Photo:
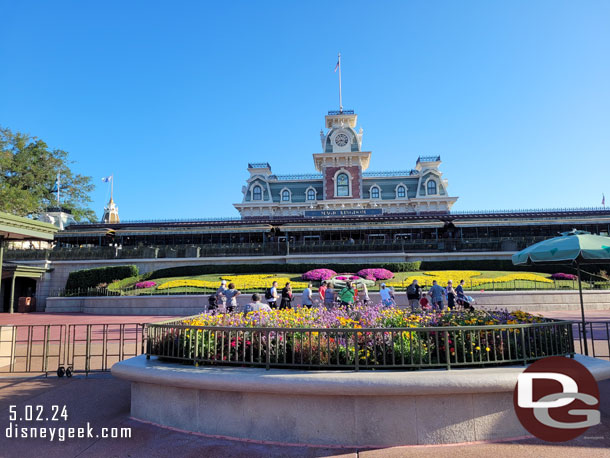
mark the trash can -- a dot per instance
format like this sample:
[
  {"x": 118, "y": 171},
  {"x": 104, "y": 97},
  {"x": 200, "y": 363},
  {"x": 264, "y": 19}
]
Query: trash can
[{"x": 25, "y": 304}]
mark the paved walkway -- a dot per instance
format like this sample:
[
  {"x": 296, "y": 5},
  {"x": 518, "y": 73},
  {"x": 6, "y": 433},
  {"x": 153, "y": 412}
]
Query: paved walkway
[
  {"x": 103, "y": 401},
  {"x": 75, "y": 318}
]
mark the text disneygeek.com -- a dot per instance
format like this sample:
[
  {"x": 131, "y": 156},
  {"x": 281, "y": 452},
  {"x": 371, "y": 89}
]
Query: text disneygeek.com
[{"x": 26, "y": 423}]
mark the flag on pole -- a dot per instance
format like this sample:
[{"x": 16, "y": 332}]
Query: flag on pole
[
  {"x": 107, "y": 179},
  {"x": 603, "y": 200},
  {"x": 56, "y": 185},
  {"x": 337, "y": 66}
]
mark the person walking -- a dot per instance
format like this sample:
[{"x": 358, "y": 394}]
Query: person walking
[
  {"x": 322, "y": 291},
  {"x": 365, "y": 294},
  {"x": 461, "y": 298},
  {"x": 450, "y": 295},
  {"x": 346, "y": 295},
  {"x": 436, "y": 295},
  {"x": 231, "y": 295},
  {"x": 286, "y": 297},
  {"x": 272, "y": 296},
  {"x": 256, "y": 305},
  {"x": 414, "y": 294},
  {"x": 221, "y": 299},
  {"x": 306, "y": 297},
  {"x": 387, "y": 298},
  {"x": 459, "y": 290},
  {"x": 329, "y": 296}
]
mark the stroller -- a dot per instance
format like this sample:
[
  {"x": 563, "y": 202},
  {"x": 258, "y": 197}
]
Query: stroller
[
  {"x": 212, "y": 302},
  {"x": 465, "y": 302}
]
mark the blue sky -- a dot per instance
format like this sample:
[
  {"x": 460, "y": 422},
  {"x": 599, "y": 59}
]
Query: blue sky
[{"x": 175, "y": 98}]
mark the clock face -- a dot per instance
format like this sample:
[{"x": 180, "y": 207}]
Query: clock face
[{"x": 341, "y": 140}]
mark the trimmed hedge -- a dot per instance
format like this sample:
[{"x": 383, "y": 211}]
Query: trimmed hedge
[
  {"x": 502, "y": 264},
  {"x": 89, "y": 278},
  {"x": 188, "y": 271}
]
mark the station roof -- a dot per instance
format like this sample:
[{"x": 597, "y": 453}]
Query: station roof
[{"x": 17, "y": 228}]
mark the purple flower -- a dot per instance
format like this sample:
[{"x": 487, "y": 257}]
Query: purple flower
[
  {"x": 145, "y": 284},
  {"x": 562, "y": 276},
  {"x": 319, "y": 274},
  {"x": 376, "y": 274}
]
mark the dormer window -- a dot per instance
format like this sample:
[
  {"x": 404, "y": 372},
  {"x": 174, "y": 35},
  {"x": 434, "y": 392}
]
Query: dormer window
[
  {"x": 401, "y": 192},
  {"x": 375, "y": 192},
  {"x": 257, "y": 193},
  {"x": 342, "y": 185},
  {"x": 285, "y": 195},
  {"x": 431, "y": 188},
  {"x": 311, "y": 194}
]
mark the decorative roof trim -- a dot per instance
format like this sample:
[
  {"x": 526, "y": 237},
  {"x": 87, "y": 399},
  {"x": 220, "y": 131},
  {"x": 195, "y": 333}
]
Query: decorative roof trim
[{"x": 390, "y": 173}]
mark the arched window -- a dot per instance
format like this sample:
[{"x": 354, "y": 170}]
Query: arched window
[
  {"x": 374, "y": 192},
  {"x": 311, "y": 194},
  {"x": 285, "y": 195},
  {"x": 401, "y": 192},
  {"x": 257, "y": 193},
  {"x": 431, "y": 187},
  {"x": 342, "y": 185}
]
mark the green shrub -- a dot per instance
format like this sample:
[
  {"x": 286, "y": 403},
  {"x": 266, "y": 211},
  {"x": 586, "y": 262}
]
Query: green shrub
[
  {"x": 89, "y": 278},
  {"x": 189, "y": 271},
  {"x": 124, "y": 283}
]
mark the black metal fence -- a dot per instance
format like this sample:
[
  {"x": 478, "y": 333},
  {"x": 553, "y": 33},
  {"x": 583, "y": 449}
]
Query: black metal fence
[
  {"x": 65, "y": 349},
  {"x": 68, "y": 348},
  {"x": 598, "y": 338},
  {"x": 361, "y": 348}
]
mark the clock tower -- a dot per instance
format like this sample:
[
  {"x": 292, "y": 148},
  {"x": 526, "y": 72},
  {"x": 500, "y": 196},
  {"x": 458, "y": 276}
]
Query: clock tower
[{"x": 342, "y": 160}]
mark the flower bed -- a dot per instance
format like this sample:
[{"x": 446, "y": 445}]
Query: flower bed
[
  {"x": 562, "y": 276},
  {"x": 318, "y": 274},
  {"x": 242, "y": 282},
  {"x": 469, "y": 276},
  {"x": 376, "y": 274},
  {"x": 365, "y": 337},
  {"x": 145, "y": 284},
  {"x": 340, "y": 281}
]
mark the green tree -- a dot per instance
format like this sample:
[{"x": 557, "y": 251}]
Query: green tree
[{"x": 28, "y": 172}]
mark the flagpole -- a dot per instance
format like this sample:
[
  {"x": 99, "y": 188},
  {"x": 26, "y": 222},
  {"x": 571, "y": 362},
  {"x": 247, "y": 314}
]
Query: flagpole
[
  {"x": 111, "y": 185},
  {"x": 340, "y": 99},
  {"x": 58, "y": 178}
]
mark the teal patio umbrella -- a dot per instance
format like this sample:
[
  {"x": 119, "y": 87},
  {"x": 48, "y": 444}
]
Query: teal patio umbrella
[{"x": 574, "y": 248}]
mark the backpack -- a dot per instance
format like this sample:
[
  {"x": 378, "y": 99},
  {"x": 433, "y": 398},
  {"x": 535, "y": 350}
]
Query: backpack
[
  {"x": 268, "y": 294},
  {"x": 411, "y": 290}
]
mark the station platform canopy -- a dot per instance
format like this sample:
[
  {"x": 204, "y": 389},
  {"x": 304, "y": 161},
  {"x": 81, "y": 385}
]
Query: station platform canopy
[{"x": 17, "y": 228}]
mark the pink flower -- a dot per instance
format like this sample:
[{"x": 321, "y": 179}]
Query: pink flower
[
  {"x": 145, "y": 284},
  {"x": 319, "y": 274},
  {"x": 376, "y": 274}
]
